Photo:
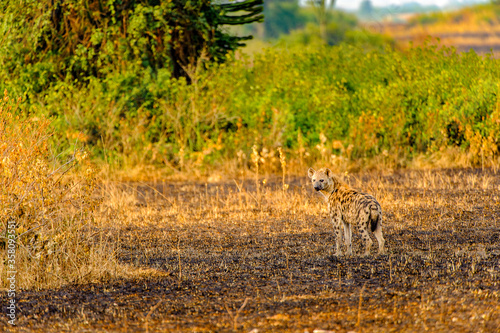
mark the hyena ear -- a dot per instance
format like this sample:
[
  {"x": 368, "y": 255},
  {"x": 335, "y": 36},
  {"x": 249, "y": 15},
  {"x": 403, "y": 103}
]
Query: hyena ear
[
  {"x": 311, "y": 172},
  {"x": 328, "y": 172}
]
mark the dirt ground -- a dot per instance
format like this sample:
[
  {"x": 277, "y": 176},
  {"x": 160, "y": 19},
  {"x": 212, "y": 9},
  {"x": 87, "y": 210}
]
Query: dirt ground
[{"x": 230, "y": 256}]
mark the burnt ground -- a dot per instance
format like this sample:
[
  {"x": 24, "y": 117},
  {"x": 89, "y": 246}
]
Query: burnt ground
[{"x": 221, "y": 260}]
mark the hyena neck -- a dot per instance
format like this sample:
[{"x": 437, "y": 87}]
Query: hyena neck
[
  {"x": 332, "y": 188},
  {"x": 329, "y": 194},
  {"x": 326, "y": 193}
]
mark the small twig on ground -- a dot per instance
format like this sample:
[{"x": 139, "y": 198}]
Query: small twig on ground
[
  {"x": 358, "y": 324},
  {"x": 234, "y": 317},
  {"x": 149, "y": 314}
]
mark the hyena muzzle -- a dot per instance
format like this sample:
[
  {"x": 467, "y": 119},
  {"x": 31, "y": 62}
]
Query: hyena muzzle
[{"x": 349, "y": 208}]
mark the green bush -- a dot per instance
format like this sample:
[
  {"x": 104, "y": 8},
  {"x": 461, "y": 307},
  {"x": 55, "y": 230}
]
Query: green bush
[
  {"x": 347, "y": 100},
  {"x": 47, "y": 42}
]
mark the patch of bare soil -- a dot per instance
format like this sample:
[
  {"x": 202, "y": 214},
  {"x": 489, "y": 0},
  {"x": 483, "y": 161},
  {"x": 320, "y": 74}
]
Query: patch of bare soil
[{"x": 229, "y": 256}]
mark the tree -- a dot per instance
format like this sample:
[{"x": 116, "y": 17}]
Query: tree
[
  {"x": 282, "y": 16},
  {"x": 322, "y": 7},
  {"x": 366, "y": 9},
  {"x": 50, "y": 40}
]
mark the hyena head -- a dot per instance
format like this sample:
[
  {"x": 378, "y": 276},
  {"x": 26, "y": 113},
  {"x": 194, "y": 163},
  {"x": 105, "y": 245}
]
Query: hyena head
[{"x": 322, "y": 180}]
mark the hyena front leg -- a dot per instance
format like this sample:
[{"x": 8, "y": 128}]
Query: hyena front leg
[{"x": 347, "y": 237}]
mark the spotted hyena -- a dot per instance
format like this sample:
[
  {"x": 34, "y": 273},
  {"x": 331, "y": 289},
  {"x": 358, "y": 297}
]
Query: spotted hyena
[{"x": 348, "y": 207}]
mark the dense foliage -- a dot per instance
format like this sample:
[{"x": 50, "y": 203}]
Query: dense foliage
[
  {"x": 46, "y": 42},
  {"x": 367, "y": 103}
]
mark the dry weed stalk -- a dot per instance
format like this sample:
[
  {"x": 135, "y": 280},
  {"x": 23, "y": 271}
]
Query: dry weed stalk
[
  {"x": 256, "y": 160},
  {"x": 281, "y": 295},
  {"x": 179, "y": 281},
  {"x": 283, "y": 168}
]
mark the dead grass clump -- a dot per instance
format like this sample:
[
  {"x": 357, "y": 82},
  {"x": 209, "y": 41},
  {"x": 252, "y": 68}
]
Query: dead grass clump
[{"x": 46, "y": 209}]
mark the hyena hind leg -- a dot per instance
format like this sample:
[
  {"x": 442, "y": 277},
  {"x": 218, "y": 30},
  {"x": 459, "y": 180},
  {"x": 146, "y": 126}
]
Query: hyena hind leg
[
  {"x": 363, "y": 230},
  {"x": 376, "y": 228},
  {"x": 363, "y": 225},
  {"x": 368, "y": 241},
  {"x": 380, "y": 237}
]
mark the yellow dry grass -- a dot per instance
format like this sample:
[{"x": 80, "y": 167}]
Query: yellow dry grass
[{"x": 474, "y": 27}]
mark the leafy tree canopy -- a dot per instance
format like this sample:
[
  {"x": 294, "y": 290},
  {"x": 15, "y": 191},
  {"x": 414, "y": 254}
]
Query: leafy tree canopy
[{"x": 44, "y": 41}]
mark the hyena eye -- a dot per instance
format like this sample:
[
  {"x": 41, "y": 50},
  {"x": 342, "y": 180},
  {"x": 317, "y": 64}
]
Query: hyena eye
[{"x": 321, "y": 180}]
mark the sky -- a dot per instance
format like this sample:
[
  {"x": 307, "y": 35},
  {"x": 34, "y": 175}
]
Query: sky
[{"x": 354, "y": 4}]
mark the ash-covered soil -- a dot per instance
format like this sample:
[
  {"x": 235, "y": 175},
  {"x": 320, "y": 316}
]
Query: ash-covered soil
[{"x": 220, "y": 260}]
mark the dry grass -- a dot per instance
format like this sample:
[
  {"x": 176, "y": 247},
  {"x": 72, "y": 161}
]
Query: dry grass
[
  {"x": 475, "y": 28},
  {"x": 46, "y": 209},
  {"x": 217, "y": 257}
]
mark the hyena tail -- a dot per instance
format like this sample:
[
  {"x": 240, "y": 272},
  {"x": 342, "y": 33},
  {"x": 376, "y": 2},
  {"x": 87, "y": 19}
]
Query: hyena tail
[{"x": 375, "y": 219}]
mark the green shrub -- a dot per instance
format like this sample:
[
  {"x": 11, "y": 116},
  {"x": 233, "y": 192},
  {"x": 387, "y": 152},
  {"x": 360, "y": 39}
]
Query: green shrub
[
  {"x": 364, "y": 101},
  {"x": 49, "y": 42}
]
